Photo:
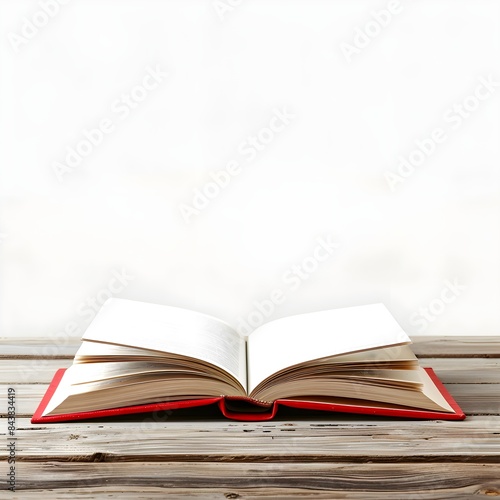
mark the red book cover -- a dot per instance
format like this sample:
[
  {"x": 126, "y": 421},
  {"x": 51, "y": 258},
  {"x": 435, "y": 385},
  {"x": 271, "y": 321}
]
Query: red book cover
[{"x": 227, "y": 409}]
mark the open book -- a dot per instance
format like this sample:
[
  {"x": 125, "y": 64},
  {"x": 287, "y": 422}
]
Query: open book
[{"x": 138, "y": 357}]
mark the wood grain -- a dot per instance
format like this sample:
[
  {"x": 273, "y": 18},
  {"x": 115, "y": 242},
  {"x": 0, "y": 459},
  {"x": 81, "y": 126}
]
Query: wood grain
[
  {"x": 424, "y": 346},
  {"x": 465, "y": 370},
  {"x": 456, "y": 347},
  {"x": 30, "y": 371},
  {"x": 259, "y": 480},
  {"x": 27, "y": 348},
  {"x": 365, "y": 438}
]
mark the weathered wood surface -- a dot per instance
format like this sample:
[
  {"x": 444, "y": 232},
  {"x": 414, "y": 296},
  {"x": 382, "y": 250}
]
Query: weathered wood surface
[
  {"x": 27, "y": 348},
  {"x": 423, "y": 346},
  {"x": 456, "y": 347},
  {"x": 30, "y": 371},
  {"x": 262, "y": 480},
  {"x": 329, "y": 439},
  {"x": 322, "y": 456}
]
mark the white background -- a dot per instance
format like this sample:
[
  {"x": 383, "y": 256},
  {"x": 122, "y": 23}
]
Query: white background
[{"x": 323, "y": 175}]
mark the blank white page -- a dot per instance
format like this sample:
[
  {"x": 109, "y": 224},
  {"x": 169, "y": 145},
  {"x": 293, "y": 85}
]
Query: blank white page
[
  {"x": 170, "y": 329},
  {"x": 305, "y": 337}
]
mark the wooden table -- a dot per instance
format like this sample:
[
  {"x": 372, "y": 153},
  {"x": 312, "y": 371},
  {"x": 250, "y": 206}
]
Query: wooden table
[{"x": 320, "y": 456}]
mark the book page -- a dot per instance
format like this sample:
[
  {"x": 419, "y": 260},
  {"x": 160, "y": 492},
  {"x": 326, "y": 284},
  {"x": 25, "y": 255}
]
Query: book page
[
  {"x": 170, "y": 329},
  {"x": 296, "y": 339}
]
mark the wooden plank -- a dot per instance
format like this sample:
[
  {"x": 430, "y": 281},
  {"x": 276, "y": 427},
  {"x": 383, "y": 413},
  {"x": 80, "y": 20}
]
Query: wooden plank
[
  {"x": 28, "y": 397},
  {"x": 476, "y": 439},
  {"x": 474, "y": 399},
  {"x": 146, "y": 493},
  {"x": 233, "y": 480},
  {"x": 465, "y": 370},
  {"x": 477, "y": 399},
  {"x": 30, "y": 348},
  {"x": 30, "y": 371},
  {"x": 39, "y": 340},
  {"x": 424, "y": 346},
  {"x": 456, "y": 346}
]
